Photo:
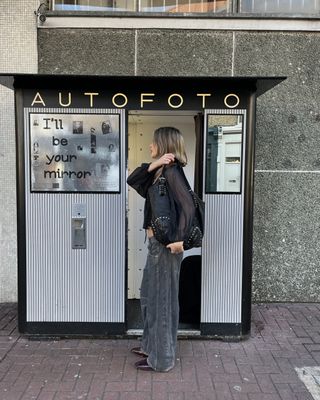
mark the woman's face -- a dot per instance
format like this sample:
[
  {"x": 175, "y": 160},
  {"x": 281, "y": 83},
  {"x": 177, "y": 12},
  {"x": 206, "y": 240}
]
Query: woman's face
[{"x": 153, "y": 150}]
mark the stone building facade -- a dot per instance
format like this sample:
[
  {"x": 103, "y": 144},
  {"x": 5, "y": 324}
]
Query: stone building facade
[{"x": 287, "y": 169}]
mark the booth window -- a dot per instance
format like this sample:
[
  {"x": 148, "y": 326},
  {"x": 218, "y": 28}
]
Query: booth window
[
  {"x": 310, "y": 7},
  {"x": 224, "y": 153}
]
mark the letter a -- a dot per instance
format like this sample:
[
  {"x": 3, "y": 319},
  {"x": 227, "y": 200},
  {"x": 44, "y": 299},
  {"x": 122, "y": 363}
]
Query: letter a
[{"x": 38, "y": 99}]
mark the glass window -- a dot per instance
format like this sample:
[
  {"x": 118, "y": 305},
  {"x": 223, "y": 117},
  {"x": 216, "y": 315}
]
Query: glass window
[
  {"x": 192, "y": 6},
  {"x": 224, "y": 153},
  {"x": 168, "y": 6},
  {"x": 280, "y": 6}
]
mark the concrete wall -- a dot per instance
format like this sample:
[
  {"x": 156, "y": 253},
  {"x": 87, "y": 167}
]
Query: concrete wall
[
  {"x": 18, "y": 53},
  {"x": 287, "y": 208}
]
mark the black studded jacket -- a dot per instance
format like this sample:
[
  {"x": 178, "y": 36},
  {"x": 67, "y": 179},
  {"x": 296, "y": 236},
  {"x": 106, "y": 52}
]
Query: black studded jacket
[{"x": 140, "y": 180}]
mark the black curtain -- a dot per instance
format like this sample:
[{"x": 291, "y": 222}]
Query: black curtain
[{"x": 198, "y": 168}]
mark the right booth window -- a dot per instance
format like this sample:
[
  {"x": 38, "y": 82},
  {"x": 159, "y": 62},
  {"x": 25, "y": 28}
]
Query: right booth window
[{"x": 224, "y": 153}]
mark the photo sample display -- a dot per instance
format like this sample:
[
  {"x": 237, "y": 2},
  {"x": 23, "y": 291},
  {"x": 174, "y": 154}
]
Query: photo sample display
[{"x": 75, "y": 152}]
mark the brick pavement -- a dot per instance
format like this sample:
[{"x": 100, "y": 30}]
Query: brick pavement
[{"x": 283, "y": 336}]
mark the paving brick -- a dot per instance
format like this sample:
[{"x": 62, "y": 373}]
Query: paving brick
[
  {"x": 185, "y": 348},
  {"x": 240, "y": 396},
  {"x": 285, "y": 378},
  {"x": 188, "y": 370},
  {"x": 58, "y": 386},
  {"x": 135, "y": 396},
  {"x": 222, "y": 387},
  {"x": 264, "y": 396},
  {"x": 130, "y": 372},
  {"x": 245, "y": 387},
  {"x": 182, "y": 386},
  {"x": 10, "y": 395},
  {"x": 121, "y": 386},
  {"x": 172, "y": 376},
  {"x": 46, "y": 396},
  {"x": 83, "y": 383},
  {"x": 159, "y": 391},
  {"x": 111, "y": 396},
  {"x": 144, "y": 382},
  {"x": 223, "y": 395},
  {"x": 303, "y": 396},
  {"x": 265, "y": 383},
  {"x": 199, "y": 349},
  {"x": 205, "y": 383},
  {"x": 226, "y": 378},
  {"x": 284, "y": 391},
  {"x": 200, "y": 396},
  {"x": 97, "y": 388},
  {"x": 230, "y": 366},
  {"x": 176, "y": 396}
]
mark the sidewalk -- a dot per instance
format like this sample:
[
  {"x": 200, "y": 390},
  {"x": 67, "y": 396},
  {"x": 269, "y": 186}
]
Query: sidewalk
[{"x": 283, "y": 336}]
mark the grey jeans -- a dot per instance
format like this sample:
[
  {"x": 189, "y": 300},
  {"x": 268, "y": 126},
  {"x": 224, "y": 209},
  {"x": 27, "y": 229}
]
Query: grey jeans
[{"x": 160, "y": 305}]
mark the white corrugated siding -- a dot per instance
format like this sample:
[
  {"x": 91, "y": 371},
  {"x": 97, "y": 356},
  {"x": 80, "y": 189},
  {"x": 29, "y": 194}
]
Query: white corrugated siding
[
  {"x": 75, "y": 285},
  {"x": 222, "y": 249}
]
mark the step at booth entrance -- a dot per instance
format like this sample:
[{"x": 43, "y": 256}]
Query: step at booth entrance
[{"x": 81, "y": 247}]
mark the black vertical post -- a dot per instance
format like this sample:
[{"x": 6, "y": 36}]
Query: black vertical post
[
  {"x": 248, "y": 217},
  {"x": 21, "y": 221}
]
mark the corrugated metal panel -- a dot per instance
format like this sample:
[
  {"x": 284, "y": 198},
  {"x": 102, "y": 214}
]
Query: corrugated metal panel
[
  {"x": 222, "y": 259},
  {"x": 222, "y": 250},
  {"x": 75, "y": 285}
]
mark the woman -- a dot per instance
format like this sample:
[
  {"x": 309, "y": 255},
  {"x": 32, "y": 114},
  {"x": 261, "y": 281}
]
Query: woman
[{"x": 160, "y": 282}]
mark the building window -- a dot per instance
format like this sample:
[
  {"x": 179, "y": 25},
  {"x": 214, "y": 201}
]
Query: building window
[
  {"x": 192, "y": 6},
  {"x": 168, "y": 6},
  {"x": 280, "y": 6}
]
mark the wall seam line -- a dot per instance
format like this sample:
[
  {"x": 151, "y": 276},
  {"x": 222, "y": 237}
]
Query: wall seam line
[
  {"x": 233, "y": 52},
  {"x": 135, "y": 52}
]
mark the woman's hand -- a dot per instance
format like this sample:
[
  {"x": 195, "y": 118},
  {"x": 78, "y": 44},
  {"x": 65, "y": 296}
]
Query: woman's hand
[
  {"x": 176, "y": 247},
  {"x": 163, "y": 160}
]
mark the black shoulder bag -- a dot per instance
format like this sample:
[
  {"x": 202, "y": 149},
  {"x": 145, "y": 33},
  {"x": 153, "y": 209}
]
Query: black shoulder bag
[
  {"x": 164, "y": 218},
  {"x": 196, "y": 232}
]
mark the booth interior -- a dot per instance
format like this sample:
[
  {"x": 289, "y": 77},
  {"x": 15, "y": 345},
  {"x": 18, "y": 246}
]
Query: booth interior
[{"x": 141, "y": 126}]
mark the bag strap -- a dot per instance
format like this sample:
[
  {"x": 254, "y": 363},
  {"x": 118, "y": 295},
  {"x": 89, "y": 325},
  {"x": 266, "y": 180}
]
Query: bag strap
[
  {"x": 158, "y": 174},
  {"x": 193, "y": 194},
  {"x": 185, "y": 179}
]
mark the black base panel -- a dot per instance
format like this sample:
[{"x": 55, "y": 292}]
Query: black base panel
[
  {"x": 224, "y": 331},
  {"x": 134, "y": 320},
  {"x": 74, "y": 328}
]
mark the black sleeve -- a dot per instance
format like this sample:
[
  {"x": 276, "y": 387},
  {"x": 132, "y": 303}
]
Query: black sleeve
[
  {"x": 183, "y": 200},
  {"x": 140, "y": 179}
]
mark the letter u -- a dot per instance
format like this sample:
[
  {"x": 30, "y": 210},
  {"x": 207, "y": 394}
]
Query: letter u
[{"x": 65, "y": 104}]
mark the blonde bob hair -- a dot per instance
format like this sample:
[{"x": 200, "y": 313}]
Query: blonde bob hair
[{"x": 170, "y": 140}]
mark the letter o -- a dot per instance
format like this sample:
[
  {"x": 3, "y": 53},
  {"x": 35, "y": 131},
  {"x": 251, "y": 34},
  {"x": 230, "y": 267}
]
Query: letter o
[
  {"x": 119, "y": 105},
  {"x": 178, "y": 105},
  {"x": 231, "y": 95}
]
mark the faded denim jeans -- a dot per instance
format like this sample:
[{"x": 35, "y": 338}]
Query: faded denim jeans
[{"x": 160, "y": 305}]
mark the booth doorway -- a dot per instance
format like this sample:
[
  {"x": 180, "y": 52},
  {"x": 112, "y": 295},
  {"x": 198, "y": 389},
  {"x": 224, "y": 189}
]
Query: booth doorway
[{"x": 141, "y": 126}]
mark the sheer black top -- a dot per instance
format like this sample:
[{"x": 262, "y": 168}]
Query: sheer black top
[{"x": 140, "y": 179}]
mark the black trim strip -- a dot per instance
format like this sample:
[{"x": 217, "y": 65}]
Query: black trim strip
[
  {"x": 75, "y": 328},
  {"x": 220, "y": 330},
  {"x": 248, "y": 217},
  {"x": 21, "y": 210}
]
